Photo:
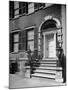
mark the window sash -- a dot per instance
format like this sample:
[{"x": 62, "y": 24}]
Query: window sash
[
  {"x": 15, "y": 42},
  {"x": 23, "y": 8}
]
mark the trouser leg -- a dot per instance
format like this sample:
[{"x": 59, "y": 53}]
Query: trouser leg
[{"x": 64, "y": 75}]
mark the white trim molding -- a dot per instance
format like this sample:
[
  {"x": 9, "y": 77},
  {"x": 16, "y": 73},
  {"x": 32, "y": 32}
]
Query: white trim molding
[
  {"x": 16, "y": 30},
  {"x": 49, "y": 17},
  {"x": 44, "y": 43},
  {"x": 29, "y": 27},
  {"x": 53, "y": 18}
]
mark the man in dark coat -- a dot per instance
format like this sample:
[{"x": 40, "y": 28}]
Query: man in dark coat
[
  {"x": 62, "y": 63},
  {"x": 30, "y": 61}
]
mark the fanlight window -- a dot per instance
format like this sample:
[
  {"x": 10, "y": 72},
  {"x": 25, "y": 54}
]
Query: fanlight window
[{"x": 48, "y": 24}]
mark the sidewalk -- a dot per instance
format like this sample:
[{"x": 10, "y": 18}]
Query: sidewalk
[{"x": 18, "y": 82}]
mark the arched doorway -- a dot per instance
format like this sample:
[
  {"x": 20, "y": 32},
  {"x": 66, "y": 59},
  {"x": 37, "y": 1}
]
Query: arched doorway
[{"x": 49, "y": 30}]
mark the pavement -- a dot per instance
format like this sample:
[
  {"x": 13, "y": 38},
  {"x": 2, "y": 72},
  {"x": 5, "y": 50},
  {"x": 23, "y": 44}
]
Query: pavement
[{"x": 16, "y": 81}]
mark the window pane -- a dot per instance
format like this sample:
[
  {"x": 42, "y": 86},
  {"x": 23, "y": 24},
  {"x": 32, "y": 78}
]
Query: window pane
[
  {"x": 31, "y": 10},
  {"x": 16, "y": 4},
  {"x": 17, "y": 12},
  {"x": 31, "y": 45},
  {"x": 20, "y": 4},
  {"x": 16, "y": 37},
  {"x": 22, "y": 10},
  {"x": 16, "y": 47},
  {"x": 30, "y": 35},
  {"x": 36, "y": 5}
]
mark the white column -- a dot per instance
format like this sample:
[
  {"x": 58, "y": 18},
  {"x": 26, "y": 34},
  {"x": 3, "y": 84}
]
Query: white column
[
  {"x": 44, "y": 46},
  {"x": 55, "y": 43}
]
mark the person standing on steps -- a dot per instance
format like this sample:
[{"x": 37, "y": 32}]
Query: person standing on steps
[
  {"x": 62, "y": 63},
  {"x": 30, "y": 61}
]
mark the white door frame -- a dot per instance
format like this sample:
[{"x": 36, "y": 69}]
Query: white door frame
[{"x": 44, "y": 39}]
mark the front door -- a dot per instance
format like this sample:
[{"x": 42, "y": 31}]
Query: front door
[{"x": 50, "y": 45}]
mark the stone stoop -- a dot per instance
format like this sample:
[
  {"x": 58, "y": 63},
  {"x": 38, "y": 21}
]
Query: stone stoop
[{"x": 48, "y": 69}]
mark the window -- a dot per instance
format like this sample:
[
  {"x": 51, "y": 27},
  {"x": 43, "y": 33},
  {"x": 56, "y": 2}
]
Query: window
[
  {"x": 30, "y": 40},
  {"x": 23, "y": 7},
  {"x": 17, "y": 8},
  {"x": 16, "y": 42}
]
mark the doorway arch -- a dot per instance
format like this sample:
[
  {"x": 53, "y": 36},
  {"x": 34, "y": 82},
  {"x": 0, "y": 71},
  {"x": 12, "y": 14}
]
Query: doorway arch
[{"x": 48, "y": 29}]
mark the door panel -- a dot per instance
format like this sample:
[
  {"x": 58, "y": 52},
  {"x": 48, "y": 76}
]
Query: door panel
[{"x": 51, "y": 45}]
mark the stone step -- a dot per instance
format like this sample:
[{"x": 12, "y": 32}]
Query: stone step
[
  {"x": 44, "y": 65},
  {"x": 49, "y": 68},
  {"x": 55, "y": 59},
  {"x": 44, "y": 75},
  {"x": 48, "y": 62},
  {"x": 45, "y": 71}
]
